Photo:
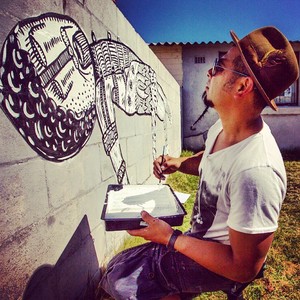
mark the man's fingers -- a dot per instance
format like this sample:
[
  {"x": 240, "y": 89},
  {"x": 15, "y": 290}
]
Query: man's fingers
[
  {"x": 158, "y": 171},
  {"x": 147, "y": 217},
  {"x": 138, "y": 232}
]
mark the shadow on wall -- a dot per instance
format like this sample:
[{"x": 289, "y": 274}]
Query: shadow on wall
[{"x": 74, "y": 269}]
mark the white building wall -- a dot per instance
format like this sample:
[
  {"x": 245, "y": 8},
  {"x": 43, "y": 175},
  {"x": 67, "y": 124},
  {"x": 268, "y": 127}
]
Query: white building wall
[
  {"x": 171, "y": 57},
  {"x": 194, "y": 82},
  {"x": 284, "y": 126},
  {"x": 192, "y": 77},
  {"x": 283, "y": 123},
  {"x": 52, "y": 240}
]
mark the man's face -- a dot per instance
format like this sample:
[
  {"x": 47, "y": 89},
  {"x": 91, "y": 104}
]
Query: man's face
[{"x": 219, "y": 84}]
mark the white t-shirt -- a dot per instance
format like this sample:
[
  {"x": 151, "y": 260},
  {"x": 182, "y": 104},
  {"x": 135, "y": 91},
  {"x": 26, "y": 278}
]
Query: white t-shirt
[{"x": 241, "y": 187}]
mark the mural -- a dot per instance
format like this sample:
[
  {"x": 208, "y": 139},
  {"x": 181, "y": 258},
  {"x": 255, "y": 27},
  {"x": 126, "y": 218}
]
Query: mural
[
  {"x": 48, "y": 85},
  {"x": 123, "y": 80},
  {"x": 55, "y": 85}
]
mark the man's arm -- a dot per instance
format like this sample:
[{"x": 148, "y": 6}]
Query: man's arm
[
  {"x": 240, "y": 261},
  {"x": 187, "y": 165}
]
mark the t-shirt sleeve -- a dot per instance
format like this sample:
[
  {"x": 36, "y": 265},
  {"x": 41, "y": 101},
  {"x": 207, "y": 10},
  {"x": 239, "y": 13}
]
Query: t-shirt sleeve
[{"x": 255, "y": 197}]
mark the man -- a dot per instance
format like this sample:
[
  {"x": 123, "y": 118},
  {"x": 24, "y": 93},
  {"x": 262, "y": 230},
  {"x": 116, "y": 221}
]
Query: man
[{"x": 241, "y": 189}]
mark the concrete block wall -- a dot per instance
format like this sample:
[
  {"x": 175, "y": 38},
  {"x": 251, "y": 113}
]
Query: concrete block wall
[
  {"x": 171, "y": 57},
  {"x": 52, "y": 241}
]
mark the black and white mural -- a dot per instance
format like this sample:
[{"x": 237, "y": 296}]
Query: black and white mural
[{"x": 55, "y": 85}]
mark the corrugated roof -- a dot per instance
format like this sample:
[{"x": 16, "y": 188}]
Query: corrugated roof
[
  {"x": 187, "y": 43},
  {"x": 196, "y": 43}
]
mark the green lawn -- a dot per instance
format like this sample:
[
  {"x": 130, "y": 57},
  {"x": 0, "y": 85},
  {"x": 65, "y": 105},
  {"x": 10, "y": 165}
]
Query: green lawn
[{"x": 281, "y": 279}]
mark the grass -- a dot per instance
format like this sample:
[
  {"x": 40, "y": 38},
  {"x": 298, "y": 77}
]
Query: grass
[{"x": 281, "y": 280}]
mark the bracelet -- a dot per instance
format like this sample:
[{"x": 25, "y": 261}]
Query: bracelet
[{"x": 173, "y": 239}]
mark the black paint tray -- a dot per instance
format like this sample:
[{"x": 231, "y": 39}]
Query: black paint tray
[{"x": 124, "y": 203}]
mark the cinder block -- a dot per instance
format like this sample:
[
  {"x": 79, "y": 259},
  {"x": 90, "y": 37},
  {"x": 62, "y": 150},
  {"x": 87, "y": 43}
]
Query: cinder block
[
  {"x": 131, "y": 172},
  {"x": 107, "y": 13},
  {"x": 77, "y": 11},
  {"x": 91, "y": 205},
  {"x": 98, "y": 29},
  {"x": 126, "y": 125},
  {"x": 125, "y": 31},
  {"x": 60, "y": 187},
  {"x": 91, "y": 167},
  {"x": 73, "y": 256},
  {"x": 94, "y": 7},
  {"x": 99, "y": 237},
  {"x": 7, "y": 22},
  {"x": 96, "y": 136},
  {"x": 134, "y": 150},
  {"x": 23, "y": 194},
  {"x": 143, "y": 124},
  {"x": 16, "y": 263},
  {"x": 154, "y": 61},
  {"x": 13, "y": 147},
  {"x": 29, "y": 248},
  {"x": 106, "y": 167},
  {"x": 152, "y": 180},
  {"x": 27, "y": 9},
  {"x": 142, "y": 49},
  {"x": 147, "y": 142},
  {"x": 143, "y": 170},
  {"x": 74, "y": 177}
]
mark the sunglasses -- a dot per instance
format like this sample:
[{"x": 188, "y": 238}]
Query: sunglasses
[{"x": 217, "y": 68}]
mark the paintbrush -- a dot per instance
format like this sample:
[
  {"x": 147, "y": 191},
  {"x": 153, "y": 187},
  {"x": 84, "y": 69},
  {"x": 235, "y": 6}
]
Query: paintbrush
[{"x": 162, "y": 160}]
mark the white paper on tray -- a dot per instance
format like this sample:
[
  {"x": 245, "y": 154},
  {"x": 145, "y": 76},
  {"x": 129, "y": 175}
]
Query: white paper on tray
[
  {"x": 182, "y": 197},
  {"x": 128, "y": 202}
]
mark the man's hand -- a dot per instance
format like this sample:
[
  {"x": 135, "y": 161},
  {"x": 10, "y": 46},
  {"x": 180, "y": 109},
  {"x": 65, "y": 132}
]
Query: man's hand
[
  {"x": 169, "y": 165},
  {"x": 157, "y": 231}
]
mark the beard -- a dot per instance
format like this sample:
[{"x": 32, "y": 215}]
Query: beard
[{"x": 206, "y": 101}]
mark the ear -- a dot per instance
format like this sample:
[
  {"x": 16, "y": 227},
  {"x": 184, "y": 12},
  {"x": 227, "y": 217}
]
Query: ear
[{"x": 245, "y": 85}]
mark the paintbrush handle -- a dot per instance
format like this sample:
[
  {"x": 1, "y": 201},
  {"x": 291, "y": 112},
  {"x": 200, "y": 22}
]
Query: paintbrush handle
[{"x": 162, "y": 160}]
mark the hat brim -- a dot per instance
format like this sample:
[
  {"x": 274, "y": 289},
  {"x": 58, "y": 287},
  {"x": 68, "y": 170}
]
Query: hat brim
[{"x": 271, "y": 102}]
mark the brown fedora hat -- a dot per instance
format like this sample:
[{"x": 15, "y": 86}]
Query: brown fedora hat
[{"x": 270, "y": 61}]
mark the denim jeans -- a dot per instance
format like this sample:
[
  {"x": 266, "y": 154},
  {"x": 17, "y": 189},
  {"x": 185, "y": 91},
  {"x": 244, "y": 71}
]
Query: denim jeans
[{"x": 151, "y": 271}]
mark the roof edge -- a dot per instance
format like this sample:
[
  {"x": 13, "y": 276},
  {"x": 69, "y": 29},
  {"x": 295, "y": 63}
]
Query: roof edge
[{"x": 197, "y": 43}]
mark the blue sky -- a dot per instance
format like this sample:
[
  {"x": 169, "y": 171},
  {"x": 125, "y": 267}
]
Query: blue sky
[{"x": 209, "y": 20}]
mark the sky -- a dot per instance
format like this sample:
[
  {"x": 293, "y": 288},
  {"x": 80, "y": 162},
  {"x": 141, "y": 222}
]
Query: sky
[{"x": 209, "y": 20}]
